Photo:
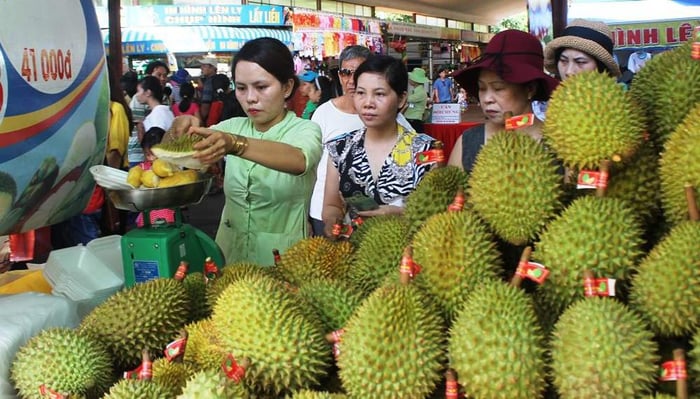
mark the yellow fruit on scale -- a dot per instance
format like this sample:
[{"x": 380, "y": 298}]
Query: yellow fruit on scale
[
  {"x": 150, "y": 179},
  {"x": 179, "y": 178},
  {"x": 134, "y": 176},
  {"x": 163, "y": 168}
]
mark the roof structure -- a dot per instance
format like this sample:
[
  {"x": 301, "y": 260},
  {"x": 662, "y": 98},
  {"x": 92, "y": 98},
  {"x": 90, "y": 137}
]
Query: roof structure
[{"x": 487, "y": 12}]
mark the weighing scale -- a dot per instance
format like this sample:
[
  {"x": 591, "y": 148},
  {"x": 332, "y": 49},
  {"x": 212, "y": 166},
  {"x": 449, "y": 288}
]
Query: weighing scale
[{"x": 156, "y": 249}]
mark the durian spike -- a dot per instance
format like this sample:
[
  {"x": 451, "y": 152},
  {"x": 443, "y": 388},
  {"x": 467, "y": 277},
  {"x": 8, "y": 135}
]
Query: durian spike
[
  {"x": 524, "y": 258},
  {"x": 693, "y": 212},
  {"x": 681, "y": 383},
  {"x": 604, "y": 176},
  {"x": 451, "y": 384}
]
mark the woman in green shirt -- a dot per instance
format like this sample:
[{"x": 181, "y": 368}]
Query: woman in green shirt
[
  {"x": 271, "y": 157},
  {"x": 417, "y": 99}
]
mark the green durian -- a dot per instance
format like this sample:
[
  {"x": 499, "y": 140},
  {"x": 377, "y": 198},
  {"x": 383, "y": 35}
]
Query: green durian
[
  {"x": 137, "y": 389},
  {"x": 515, "y": 186},
  {"x": 666, "y": 288},
  {"x": 315, "y": 257},
  {"x": 204, "y": 350},
  {"x": 679, "y": 167},
  {"x": 602, "y": 235},
  {"x": 333, "y": 301},
  {"x": 258, "y": 318},
  {"x": 230, "y": 274},
  {"x": 379, "y": 253},
  {"x": 393, "y": 345},
  {"x": 636, "y": 181},
  {"x": 667, "y": 88},
  {"x": 433, "y": 195},
  {"x": 497, "y": 346},
  {"x": 591, "y": 118},
  {"x": 693, "y": 359},
  {"x": 145, "y": 316},
  {"x": 456, "y": 253},
  {"x": 211, "y": 384},
  {"x": 602, "y": 349},
  {"x": 306, "y": 394},
  {"x": 63, "y": 360},
  {"x": 172, "y": 375},
  {"x": 196, "y": 287},
  {"x": 179, "y": 151}
]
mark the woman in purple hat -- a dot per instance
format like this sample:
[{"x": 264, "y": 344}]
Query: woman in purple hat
[{"x": 507, "y": 78}]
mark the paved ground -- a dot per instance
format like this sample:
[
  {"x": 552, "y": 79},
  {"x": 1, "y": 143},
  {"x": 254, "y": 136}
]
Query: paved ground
[{"x": 205, "y": 215}]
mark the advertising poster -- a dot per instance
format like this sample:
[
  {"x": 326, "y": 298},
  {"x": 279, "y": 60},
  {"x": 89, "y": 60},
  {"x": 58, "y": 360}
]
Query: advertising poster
[{"x": 54, "y": 110}]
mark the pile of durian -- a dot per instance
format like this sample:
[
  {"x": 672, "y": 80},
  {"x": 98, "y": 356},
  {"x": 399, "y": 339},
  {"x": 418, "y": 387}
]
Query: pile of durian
[{"x": 409, "y": 306}]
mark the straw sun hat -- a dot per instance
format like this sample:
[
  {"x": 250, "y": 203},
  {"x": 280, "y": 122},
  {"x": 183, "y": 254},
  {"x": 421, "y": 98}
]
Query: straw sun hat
[{"x": 591, "y": 37}]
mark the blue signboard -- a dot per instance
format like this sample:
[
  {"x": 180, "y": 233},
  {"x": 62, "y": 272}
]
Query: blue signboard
[{"x": 222, "y": 15}]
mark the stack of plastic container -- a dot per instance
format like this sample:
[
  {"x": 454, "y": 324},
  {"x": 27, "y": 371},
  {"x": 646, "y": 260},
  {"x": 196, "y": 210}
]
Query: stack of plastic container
[{"x": 87, "y": 275}]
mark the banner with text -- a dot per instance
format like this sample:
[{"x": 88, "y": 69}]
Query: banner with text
[{"x": 652, "y": 34}]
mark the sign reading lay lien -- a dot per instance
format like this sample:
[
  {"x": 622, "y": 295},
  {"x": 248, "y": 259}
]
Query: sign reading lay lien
[{"x": 652, "y": 34}]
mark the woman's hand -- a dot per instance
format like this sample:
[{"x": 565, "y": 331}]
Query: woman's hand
[
  {"x": 382, "y": 210},
  {"x": 214, "y": 146}
]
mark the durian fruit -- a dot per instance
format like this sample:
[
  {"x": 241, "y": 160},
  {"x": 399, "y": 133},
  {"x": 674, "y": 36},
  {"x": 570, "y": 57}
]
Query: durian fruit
[
  {"x": 694, "y": 361},
  {"x": 179, "y": 178},
  {"x": 637, "y": 182},
  {"x": 204, "y": 350},
  {"x": 196, "y": 288},
  {"x": 172, "y": 375},
  {"x": 150, "y": 179},
  {"x": 146, "y": 315},
  {"x": 666, "y": 89},
  {"x": 393, "y": 345},
  {"x": 333, "y": 301},
  {"x": 230, "y": 274},
  {"x": 65, "y": 362},
  {"x": 433, "y": 195},
  {"x": 515, "y": 186},
  {"x": 599, "y": 234},
  {"x": 137, "y": 389},
  {"x": 602, "y": 349},
  {"x": 497, "y": 346},
  {"x": 258, "y": 318},
  {"x": 211, "y": 384},
  {"x": 306, "y": 394},
  {"x": 315, "y": 257},
  {"x": 679, "y": 167},
  {"x": 378, "y": 253},
  {"x": 456, "y": 253},
  {"x": 590, "y": 118},
  {"x": 179, "y": 151},
  {"x": 134, "y": 176},
  {"x": 163, "y": 168},
  {"x": 666, "y": 288}
]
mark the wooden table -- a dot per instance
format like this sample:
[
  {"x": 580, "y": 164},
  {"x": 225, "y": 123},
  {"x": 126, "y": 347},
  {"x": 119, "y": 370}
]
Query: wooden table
[{"x": 447, "y": 133}]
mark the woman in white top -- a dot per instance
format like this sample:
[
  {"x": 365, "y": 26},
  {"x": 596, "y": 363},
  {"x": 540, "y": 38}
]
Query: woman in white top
[{"x": 150, "y": 92}]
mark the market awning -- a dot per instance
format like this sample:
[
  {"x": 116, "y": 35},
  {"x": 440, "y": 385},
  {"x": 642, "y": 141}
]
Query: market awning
[{"x": 192, "y": 39}]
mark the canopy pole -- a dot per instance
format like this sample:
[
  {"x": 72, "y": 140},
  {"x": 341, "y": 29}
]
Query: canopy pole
[{"x": 115, "y": 39}]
